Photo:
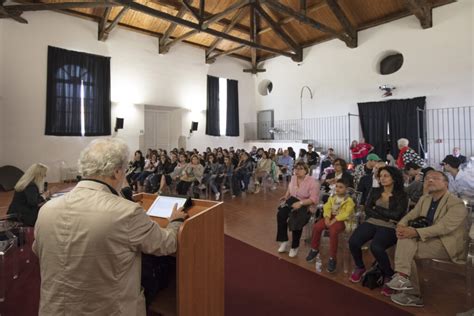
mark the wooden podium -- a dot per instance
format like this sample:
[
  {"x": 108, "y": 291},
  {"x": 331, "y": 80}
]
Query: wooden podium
[{"x": 199, "y": 286}]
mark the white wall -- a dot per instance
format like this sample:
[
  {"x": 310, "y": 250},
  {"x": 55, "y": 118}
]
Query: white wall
[
  {"x": 138, "y": 76},
  {"x": 438, "y": 64}
]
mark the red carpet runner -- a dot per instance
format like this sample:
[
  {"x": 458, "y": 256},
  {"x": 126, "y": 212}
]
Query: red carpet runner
[{"x": 258, "y": 283}]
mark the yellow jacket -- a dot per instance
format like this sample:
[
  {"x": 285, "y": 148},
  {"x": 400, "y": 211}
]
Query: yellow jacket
[{"x": 345, "y": 210}]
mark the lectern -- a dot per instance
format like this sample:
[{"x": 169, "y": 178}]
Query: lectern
[{"x": 198, "y": 289}]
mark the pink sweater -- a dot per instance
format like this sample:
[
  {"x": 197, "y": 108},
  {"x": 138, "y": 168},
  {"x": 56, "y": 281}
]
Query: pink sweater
[{"x": 309, "y": 189}]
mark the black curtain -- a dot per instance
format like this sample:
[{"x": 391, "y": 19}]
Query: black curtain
[
  {"x": 373, "y": 119},
  {"x": 212, "y": 114},
  {"x": 403, "y": 122},
  {"x": 232, "y": 128},
  {"x": 68, "y": 71}
]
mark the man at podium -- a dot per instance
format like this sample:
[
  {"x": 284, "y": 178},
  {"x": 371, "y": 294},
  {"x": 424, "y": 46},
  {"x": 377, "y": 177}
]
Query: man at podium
[{"x": 90, "y": 240}]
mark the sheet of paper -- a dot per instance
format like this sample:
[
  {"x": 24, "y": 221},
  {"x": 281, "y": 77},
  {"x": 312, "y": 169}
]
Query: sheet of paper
[{"x": 163, "y": 206}]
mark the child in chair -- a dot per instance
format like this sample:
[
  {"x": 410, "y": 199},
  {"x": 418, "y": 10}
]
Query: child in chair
[{"x": 336, "y": 210}]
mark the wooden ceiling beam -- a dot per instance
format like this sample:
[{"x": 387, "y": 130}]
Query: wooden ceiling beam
[
  {"x": 60, "y": 6},
  {"x": 176, "y": 5},
  {"x": 350, "y": 31},
  {"x": 281, "y": 33},
  {"x": 168, "y": 17},
  {"x": 423, "y": 10},
  {"x": 303, "y": 18},
  {"x": 202, "y": 9},
  {"x": 254, "y": 38},
  {"x": 219, "y": 16},
  {"x": 177, "y": 40},
  {"x": 237, "y": 17},
  {"x": 12, "y": 14},
  {"x": 288, "y": 19},
  {"x": 213, "y": 58},
  {"x": 195, "y": 13},
  {"x": 103, "y": 23},
  {"x": 170, "y": 30},
  {"x": 106, "y": 31}
]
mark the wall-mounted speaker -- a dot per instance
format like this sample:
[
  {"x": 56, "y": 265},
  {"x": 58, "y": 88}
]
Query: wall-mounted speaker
[
  {"x": 118, "y": 123},
  {"x": 194, "y": 127}
]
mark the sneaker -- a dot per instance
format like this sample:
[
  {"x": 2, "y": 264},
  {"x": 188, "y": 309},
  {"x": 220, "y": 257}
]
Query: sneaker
[
  {"x": 331, "y": 265},
  {"x": 293, "y": 252},
  {"x": 257, "y": 188},
  {"x": 400, "y": 283},
  {"x": 202, "y": 186},
  {"x": 407, "y": 300},
  {"x": 312, "y": 255},
  {"x": 357, "y": 274},
  {"x": 273, "y": 188},
  {"x": 386, "y": 291},
  {"x": 283, "y": 247},
  {"x": 218, "y": 196}
]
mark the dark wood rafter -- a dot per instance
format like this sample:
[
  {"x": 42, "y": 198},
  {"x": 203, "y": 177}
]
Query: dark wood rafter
[
  {"x": 281, "y": 33},
  {"x": 195, "y": 13},
  {"x": 219, "y": 16},
  {"x": 237, "y": 17},
  {"x": 288, "y": 19},
  {"x": 349, "y": 30},
  {"x": 423, "y": 10},
  {"x": 14, "y": 11},
  {"x": 178, "y": 39},
  {"x": 168, "y": 17},
  {"x": 254, "y": 38},
  {"x": 176, "y": 5},
  {"x": 104, "y": 34},
  {"x": 103, "y": 23},
  {"x": 303, "y": 6},
  {"x": 213, "y": 58},
  {"x": 202, "y": 9},
  {"x": 171, "y": 28},
  {"x": 305, "y": 19}
]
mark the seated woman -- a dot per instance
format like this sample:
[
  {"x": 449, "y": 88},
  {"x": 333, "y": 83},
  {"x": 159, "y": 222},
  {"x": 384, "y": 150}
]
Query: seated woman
[
  {"x": 385, "y": 206},
  {"x": 337, "y": 210},
  {"x": 168, "y": 169},
  {"x": 29, "y": 195},
  {"x": 135, "y": 168},
  {"x": 293, "y": 213},
  {"x": 302, "y": 156},
  {"x": 192, "y": 173},
  {"x": 340, "y": 172},
  {"x": 152, "y": 182},
  {"x": 211, "y": 172},
  {"x": 150, "y": 167},
  {"x": 263, "y": 169},
  {"x": 242, "y": 173},
  {"x": 177, "y": 171}
]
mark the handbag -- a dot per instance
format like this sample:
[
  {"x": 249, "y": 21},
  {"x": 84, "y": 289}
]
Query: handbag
[
  {"x": 419, "y": 222},
  {"x": 373, "y": 278}
]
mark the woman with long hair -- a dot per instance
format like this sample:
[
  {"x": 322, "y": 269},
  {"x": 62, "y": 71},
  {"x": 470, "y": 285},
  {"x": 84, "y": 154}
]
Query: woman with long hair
[
  {"x": 29, "y": 195},
  {"x": 386, "y": 205}
]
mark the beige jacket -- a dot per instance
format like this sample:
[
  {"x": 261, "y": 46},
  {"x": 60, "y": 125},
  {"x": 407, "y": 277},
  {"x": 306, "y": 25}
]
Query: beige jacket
[
  {"x": 449, "y": 224},
  {"x": 89, "y": 243}
]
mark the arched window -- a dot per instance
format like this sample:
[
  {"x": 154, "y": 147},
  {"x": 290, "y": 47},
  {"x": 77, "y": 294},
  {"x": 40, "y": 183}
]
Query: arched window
[{"x": 78, "y": 96}]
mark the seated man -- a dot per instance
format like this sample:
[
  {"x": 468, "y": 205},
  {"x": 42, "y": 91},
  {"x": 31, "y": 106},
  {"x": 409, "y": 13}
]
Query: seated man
[
  {"x": 441, "y": 238},
  {"x": 285, "y": 163},
  {"x": 461, "y": 182},
  {"x": 313, "y": 158}
]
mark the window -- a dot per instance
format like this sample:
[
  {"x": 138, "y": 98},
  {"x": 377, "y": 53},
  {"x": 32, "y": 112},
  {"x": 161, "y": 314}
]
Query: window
[
  {"x": 222, "y": 117},
  {"x": 78, "y": 94}
]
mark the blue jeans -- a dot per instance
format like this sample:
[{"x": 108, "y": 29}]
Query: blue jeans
[{"x": 382, "y": 239}]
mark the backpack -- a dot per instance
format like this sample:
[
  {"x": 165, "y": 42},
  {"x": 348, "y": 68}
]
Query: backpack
[{"x": 373, "y": 278}]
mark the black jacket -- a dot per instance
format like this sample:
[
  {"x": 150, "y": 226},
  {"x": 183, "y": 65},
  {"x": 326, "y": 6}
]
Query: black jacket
[
  {"x": 397, "y": 206},
  {"x": 26, "y": 204}
]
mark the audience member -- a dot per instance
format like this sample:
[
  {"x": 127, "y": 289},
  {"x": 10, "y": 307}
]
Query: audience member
[
  {"x": 385, "y": 207},
  {"x": 340, "y": 172},
  {"x": 90, "y": 241},
  {"x": 263, "y": 170},
  {"x": 302, "y": 156},
  {"x": 435, "y": 229},
  {"x": 356, "y": 153},
  {"x": 406, "y": 154},
  {"x": 364, "y": 149},
  {"x": 29, "y": 195},
  {"x": 293, "y": 213},
  {"x": 135, "y": 168},
  {"x": 461, "y": 182},
  {"x": 366, "y": 168},
  {"x": 457, "y": 154},
  {"x": 243, "y": 173},
  {"x": 191, "y": 174},
  {"x": 313, "y": 159},
  {"x": 336, "y": 211},
  {"x": 292, "y": 153}
]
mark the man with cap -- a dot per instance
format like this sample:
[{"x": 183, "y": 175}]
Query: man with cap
[
  {"x": 461, "y": 182},
  {"x": 363, "y": 176}
]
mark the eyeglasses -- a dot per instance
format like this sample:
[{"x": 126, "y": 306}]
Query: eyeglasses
[{"x": 434, "y": 178}]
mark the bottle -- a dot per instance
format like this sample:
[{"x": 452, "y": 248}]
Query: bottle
[{"x": 319, "y": 264}]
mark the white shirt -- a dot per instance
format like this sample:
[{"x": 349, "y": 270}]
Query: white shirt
[{"x": 462, "y": 184}]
